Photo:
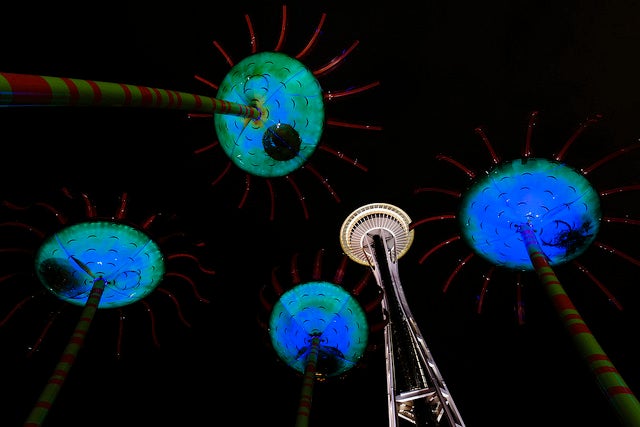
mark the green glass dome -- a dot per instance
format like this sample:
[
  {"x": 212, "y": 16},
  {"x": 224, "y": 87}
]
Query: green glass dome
[
  {"x": 68, "y": 262},
  {"x": 292, "y": 114}
]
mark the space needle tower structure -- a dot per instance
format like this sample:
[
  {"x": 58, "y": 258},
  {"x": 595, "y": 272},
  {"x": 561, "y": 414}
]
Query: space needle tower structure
[{"x": 378, "y": 235}]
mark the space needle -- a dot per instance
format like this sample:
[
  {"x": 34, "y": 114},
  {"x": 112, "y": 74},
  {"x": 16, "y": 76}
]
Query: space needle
[{"x": 378, "y": 235}]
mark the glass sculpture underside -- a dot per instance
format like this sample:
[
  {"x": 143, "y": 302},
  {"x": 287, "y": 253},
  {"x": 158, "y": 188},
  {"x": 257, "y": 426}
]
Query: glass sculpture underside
[
  {"x": 68, "y": 263},
  {"x": 319, "y": 309},
  {"x": 556, "y": 201},
  {"x": 291, "y": 103}
]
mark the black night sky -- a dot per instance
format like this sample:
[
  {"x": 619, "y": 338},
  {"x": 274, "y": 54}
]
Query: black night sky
[{"x": 444, "y": 70}]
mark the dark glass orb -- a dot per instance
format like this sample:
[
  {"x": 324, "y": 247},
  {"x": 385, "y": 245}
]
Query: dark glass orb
[{"x": 281, "y": 142}]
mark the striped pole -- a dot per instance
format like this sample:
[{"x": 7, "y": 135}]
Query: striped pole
[
  {"x": 611, "y": 383},
  {"x": 51, "y": 390},
  {"x": 304, "y": 406},
  {"x": 24, "y": 90}
]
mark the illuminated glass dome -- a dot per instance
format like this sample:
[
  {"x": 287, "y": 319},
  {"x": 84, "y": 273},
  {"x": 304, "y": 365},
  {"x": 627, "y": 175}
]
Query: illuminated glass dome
[
  {"x": 290, "y": 100},
  {"x": 554, "y": 200},
  {"x": 324, "y": 310},
  {"x": 68, "y": 262}
]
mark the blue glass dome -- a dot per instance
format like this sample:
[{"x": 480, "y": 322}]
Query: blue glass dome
[
  {"x": 556, "y": 201},
  {"x": 319, "y": 309}
]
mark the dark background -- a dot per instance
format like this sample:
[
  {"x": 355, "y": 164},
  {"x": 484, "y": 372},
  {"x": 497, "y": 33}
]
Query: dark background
[{"x": 444, "y": 69}]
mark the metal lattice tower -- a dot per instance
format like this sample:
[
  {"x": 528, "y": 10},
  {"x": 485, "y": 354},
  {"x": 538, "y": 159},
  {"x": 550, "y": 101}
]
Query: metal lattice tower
[{"x": 377, "y": 235}]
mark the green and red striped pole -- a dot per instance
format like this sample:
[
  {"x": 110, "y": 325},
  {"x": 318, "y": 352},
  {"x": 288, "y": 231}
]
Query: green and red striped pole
[
  {"x": 22, "y": 90},
  {"x": 611, "y": 382},
  {"x": 308, "y": 381},
  {"x": 61, "y": 371}
]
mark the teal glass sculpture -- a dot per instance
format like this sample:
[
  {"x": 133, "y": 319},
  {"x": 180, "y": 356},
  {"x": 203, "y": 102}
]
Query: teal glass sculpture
[
  {"x": 130, "y": 262},
  {"x": 291, "y": 121}
]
